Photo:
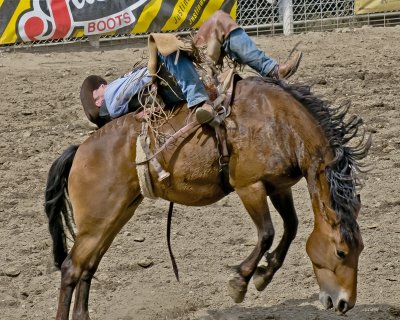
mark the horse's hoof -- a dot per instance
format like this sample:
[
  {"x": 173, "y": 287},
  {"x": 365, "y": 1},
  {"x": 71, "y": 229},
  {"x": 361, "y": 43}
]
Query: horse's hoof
[
  {"x": 259, "y": 278},
  {"x": 237, "y": 289},
  {"x": 81, "y": 316},
  {"x": 259, "y": 282}
]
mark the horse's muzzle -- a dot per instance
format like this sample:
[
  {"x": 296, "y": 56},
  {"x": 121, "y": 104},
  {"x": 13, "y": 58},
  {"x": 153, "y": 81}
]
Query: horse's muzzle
[{"x": 340, "y": 303}]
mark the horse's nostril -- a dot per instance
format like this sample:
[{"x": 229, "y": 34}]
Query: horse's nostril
[
  {"x": 329, "y": 303},
  {"x": 342, "y": 306}
]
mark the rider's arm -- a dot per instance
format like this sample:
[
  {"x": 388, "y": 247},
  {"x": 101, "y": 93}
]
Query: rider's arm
[{"x": 120, "y": 91}]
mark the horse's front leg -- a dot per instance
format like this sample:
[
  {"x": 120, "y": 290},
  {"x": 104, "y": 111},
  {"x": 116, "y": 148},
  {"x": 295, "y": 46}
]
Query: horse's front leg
[
  {"x": 283, "y": 202},
  {"x": 254, "y": 198}
]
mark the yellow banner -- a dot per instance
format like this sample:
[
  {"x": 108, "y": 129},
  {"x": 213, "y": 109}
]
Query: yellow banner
[
  {"x": 372, "y": 6},
  {"x": 41, "y": 20}
]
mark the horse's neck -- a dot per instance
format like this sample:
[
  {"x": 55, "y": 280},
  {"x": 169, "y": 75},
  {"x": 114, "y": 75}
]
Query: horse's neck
[{"x": 319, "y": 189}]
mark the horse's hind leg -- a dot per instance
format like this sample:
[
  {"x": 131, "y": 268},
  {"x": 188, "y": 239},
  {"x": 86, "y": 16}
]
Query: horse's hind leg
[
  {"x": 94, "y": 238},
  {"x": 81, "y": 310},
  {"x": 69, "y": 279},
  {"x": 254, "y": 199},
  {"x": 101, "y": 238},
  {"x": 73, "y": 272},
  {"x": 283, "y": 202}
]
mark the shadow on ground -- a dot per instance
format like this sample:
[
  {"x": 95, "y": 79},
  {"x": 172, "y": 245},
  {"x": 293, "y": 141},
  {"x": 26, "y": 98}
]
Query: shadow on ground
[{"x": 302, "y": 309}]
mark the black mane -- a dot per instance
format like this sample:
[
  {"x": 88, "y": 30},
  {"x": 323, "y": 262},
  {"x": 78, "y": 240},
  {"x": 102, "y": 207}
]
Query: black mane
[{"x": 343, "y": 172}]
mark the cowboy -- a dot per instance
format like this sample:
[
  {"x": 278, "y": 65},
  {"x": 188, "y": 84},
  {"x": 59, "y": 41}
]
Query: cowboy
[{"x": 220, "y": 35}]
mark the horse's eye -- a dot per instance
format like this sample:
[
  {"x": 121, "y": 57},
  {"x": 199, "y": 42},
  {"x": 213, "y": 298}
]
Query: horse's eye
[{"x": 340, "y": 254}]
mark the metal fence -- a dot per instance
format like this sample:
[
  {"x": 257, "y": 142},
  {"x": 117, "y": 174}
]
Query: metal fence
[
  {"x": 266, "y": 17},
  {"x": 308, "y": 15}
]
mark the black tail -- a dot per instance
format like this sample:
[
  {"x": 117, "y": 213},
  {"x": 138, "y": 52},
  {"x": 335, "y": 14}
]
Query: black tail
[{"x": 56, "y": 202}]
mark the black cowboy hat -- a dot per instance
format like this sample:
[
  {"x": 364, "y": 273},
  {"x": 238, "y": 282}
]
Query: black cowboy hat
[{"x": 91, "y": 110}]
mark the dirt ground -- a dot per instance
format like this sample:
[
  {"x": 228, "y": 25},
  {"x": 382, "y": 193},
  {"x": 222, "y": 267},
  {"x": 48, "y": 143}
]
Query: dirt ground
[{"x": 41, "y": 115}]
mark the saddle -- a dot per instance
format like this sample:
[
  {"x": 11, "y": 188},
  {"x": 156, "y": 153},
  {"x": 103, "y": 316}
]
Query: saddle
[{"x": 221, "y": 97}]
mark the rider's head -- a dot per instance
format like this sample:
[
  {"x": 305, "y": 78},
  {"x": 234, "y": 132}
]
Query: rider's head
[
  {"x": 92, "y": 96},
  {"x": 98, "y": 95}
]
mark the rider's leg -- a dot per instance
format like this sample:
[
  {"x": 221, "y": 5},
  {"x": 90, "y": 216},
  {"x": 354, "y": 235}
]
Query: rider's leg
[
  {"x": 187, "y": 78},
  {"x": 220, "y": 31},
  {"x": 192, "y": 88},
  {"x": 241, "y": 48}
]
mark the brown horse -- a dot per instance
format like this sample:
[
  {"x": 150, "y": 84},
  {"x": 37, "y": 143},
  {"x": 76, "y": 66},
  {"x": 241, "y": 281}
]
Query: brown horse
[{"x": 277, "y": 134}]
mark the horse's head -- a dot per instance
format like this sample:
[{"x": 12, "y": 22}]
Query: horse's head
[{"x": 334, "y": 249}]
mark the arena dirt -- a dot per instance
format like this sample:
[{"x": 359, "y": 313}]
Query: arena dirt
[{"x": 41, "y": 115}]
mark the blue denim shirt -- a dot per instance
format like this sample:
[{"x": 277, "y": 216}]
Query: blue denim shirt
[{"x": 119, "y": 92}]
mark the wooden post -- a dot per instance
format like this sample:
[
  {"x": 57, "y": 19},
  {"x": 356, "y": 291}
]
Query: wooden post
[{"x": 286, "y": 9}]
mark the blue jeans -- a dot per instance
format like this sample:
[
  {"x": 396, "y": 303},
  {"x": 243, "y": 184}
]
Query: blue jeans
[
  {"x": 241, "y": 48},
  {"x": 187, "y": 77},
  {"x": 238, "y": 45}
]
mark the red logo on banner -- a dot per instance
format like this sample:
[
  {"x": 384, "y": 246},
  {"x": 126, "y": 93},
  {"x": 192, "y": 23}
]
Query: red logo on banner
[{"x": 59, "y": 23}]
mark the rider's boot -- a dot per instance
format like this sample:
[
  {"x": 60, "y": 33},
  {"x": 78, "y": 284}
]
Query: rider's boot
[
  {"x": 206, "y": 114},
  {"x": 288, "y": 68}
]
